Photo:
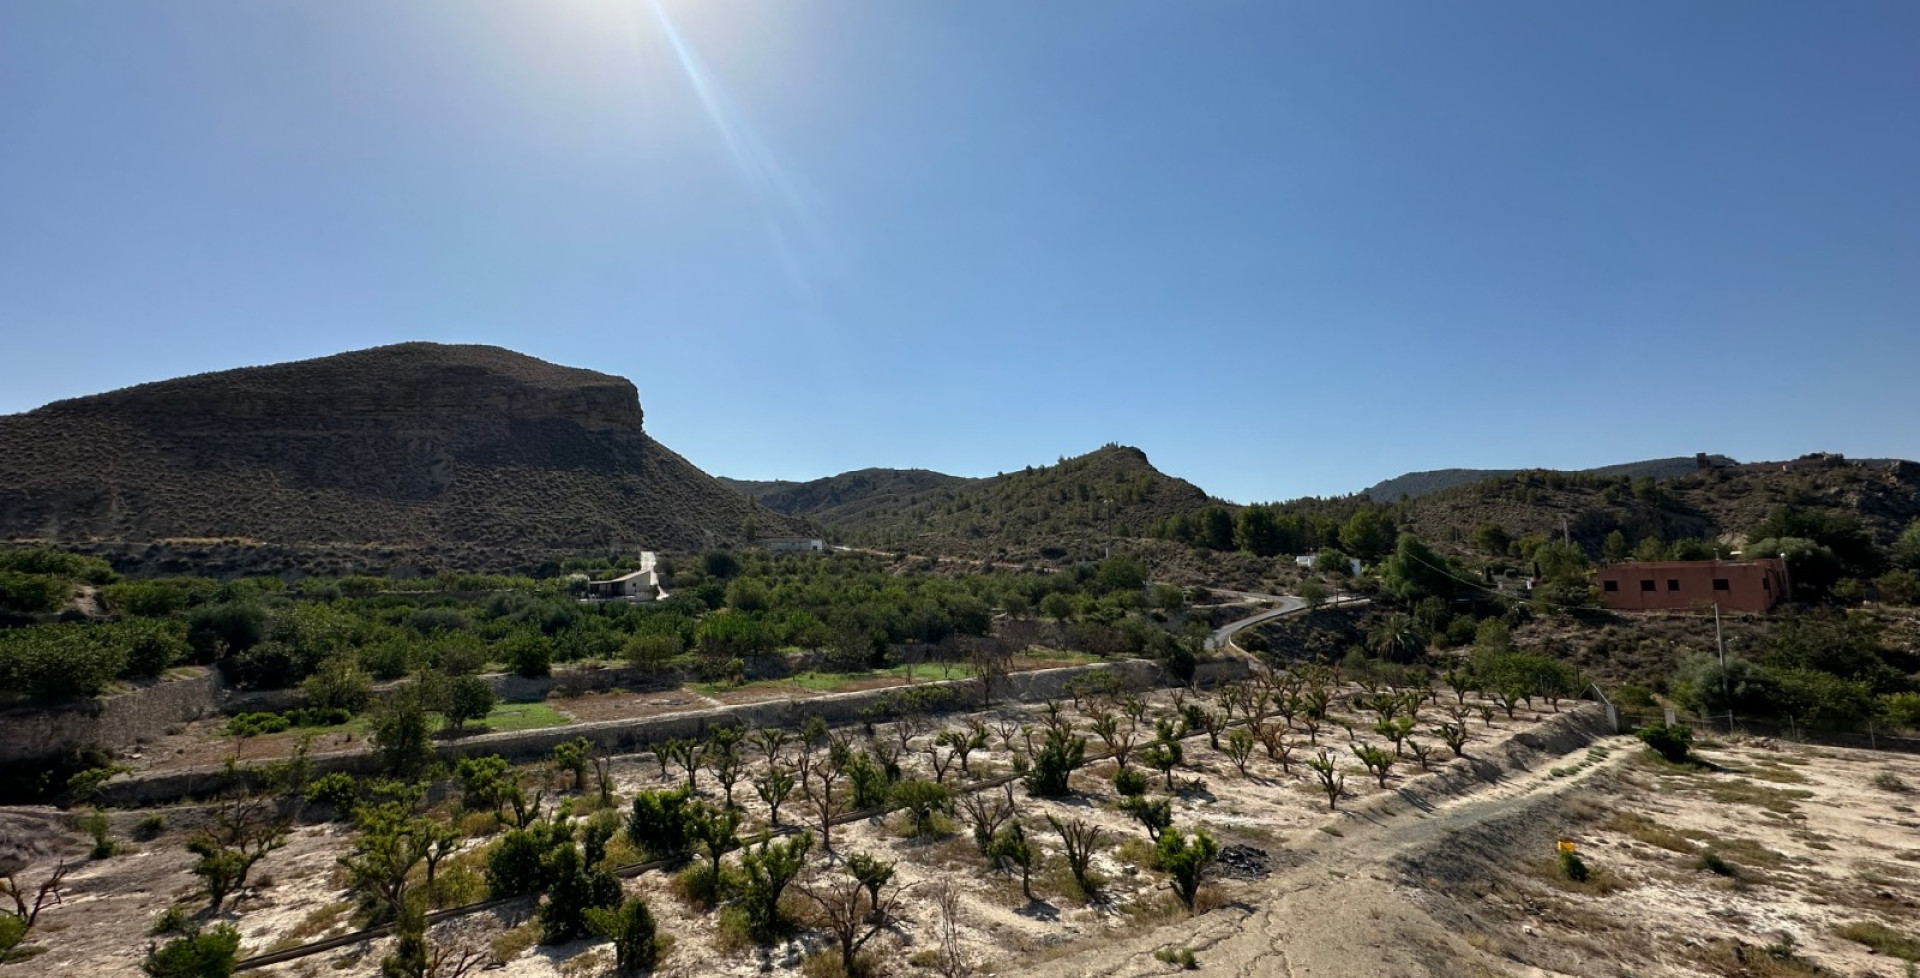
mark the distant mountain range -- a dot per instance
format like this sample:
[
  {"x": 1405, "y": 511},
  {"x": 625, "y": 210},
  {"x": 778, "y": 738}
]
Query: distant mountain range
[
  {"x": 1041, "y": 512},
  {"x": 1413, "y": 485},
  {"x": 417, "y": 446}
]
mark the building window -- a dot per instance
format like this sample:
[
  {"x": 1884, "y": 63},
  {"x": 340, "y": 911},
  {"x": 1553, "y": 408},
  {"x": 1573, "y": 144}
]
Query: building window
[
  {"x": 1673, "y": 584},
  {"x": 1646, "y": 585},
  {"x": 1610, "y": 585},
  {"x": 1720, "y": 584}
]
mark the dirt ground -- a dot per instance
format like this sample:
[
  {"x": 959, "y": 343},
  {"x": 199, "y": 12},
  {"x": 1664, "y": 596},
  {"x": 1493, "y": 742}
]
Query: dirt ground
[
  {"x": 110, "y": 903},
  {"x": 1807, "y": 841},
  {"x": 1448, "y": 872}
]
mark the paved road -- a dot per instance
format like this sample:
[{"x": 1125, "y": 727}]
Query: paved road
[{"x": 1286, "y": 604}]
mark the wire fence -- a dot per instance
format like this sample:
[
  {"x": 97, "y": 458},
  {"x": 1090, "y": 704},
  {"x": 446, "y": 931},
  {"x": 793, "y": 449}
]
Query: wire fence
[{"x": 1868, "y": 737}]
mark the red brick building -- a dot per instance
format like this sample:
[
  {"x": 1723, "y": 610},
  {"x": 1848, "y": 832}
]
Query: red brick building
[{"x": 1752, "y": 586}]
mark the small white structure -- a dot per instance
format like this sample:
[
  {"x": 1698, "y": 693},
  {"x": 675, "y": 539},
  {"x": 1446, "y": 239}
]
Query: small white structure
[
  {"x": 1306, "y": 561},
  {"x": 640, "y": 585},
  {"x": 794, "y": 545}
]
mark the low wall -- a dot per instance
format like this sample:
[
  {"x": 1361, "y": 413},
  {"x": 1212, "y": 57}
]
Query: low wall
[
  {"x": 625, "y": 736},
  {"x": 29, "y": 734}
]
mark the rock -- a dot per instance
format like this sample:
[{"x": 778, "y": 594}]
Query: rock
[{"x": 1244, "y": 862}]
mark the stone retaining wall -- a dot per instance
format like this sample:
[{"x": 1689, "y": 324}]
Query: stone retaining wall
[
  {"x": 624, "y": 736},
  {"x": 29, "y": 734}
]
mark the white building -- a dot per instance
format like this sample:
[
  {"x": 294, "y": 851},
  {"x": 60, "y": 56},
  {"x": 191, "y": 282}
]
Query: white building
[{"x": 640, "y": 585}]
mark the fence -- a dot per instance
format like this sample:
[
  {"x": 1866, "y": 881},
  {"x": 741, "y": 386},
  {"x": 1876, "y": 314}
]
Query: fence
[{"x": 1873, "y": 737}]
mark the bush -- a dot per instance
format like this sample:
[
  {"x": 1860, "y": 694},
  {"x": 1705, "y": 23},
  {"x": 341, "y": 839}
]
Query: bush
[
  {"x": 922, "y": 800},
  {"x": 659, "y": 824},
  {"x": 211, "y": 953},
  {"x": 339, "y": 791},
  {"x": 226, "y": 628},
  {"x": 1673, "y": 742},
  {"x": 153, "y": 647},
  {"x": 29, "y": 594},
  {"x": 468, "y": 698},
  {"x": 55, "y": 662},
  {"x": 256, "y": 724},
  {"x": 631, "y": 928},
  {"x": 1055, "y": 762},
  {"x": 530, "y": 654},
  {"x": 1572, "y": 866},
  {"x": 1130, "y": 782},
  {"x": 339, "y": 684},
  {"x": 576, "y": 889}
]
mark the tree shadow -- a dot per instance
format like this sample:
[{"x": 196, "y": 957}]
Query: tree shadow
[{"x": 1040, "y": 910}]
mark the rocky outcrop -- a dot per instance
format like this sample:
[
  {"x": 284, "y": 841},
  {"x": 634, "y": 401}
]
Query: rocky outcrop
[{"x": 416, "y": 445}]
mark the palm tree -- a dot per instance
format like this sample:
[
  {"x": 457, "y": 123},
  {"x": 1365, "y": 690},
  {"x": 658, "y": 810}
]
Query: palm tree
[{"x": 1398, "y": 637}]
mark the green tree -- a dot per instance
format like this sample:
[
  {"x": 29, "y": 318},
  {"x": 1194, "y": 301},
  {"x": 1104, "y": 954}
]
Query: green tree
[
  {"x": 631, "y": 928},
  {"x": 402, "y": 731},
  {"x": 1011, "y": 848},
  {"x": 209, "y": 953},
  {"x": 1492, "y": 538},
  {"x": 576, "y": 889},
  {"x": 469, "y": 698},
  {"x": 922, "y": 800},
  {"x": 1368, "y": 534},
  {"x": 768, "y": 869},
  {"x": 1186, "y": 860}
]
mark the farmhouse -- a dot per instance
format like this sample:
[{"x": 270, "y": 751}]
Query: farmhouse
[
  {"x": 1752, "y": 586},
  {"x": 640, "y": 585}
]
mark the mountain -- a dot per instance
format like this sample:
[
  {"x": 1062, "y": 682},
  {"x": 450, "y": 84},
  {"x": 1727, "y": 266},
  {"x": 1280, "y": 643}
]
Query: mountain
[
  {"x": 755, "y": 488},
  {"x": 847, "y": 498},
  {"x": 415, "y": 446},
  {"x": 1415, "y": 484},
  {"x": 1724, "y": 501},
  {"x": 1067, "y": 510}
]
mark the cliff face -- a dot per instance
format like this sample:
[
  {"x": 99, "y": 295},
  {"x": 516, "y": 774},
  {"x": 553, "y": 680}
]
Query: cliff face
[{"x": 417, "y": 444}]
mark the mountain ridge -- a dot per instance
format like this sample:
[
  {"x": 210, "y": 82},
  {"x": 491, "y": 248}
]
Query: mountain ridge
[{"x": 415, "y": 445}]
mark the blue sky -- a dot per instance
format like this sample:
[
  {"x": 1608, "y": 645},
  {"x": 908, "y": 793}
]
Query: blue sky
[{"x": 1285, "y": 248}]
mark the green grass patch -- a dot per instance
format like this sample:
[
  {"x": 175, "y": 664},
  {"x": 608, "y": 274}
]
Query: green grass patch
[
  {"x": 524, "y": 716},
  {"x": 1882, "y": 938}
]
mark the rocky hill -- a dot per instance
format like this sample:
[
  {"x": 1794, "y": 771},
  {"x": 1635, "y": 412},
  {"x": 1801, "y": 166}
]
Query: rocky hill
[
  {"x": 1413, "y": 485},
  {"x": 415, "y": 446},
  {"x": 1052, "y": 512},
  {"x": 1724, "y": 502},
  {"x": 850, "y": 497}
]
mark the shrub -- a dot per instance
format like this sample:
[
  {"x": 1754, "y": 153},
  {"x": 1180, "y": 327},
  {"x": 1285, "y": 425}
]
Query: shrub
[
  {"x": 766, "y": 872},
  {"x": 29, "y": 594},
  {"x": 227, "y": 628},
  {"x": 1129, "y": 782},
  {"x": 1572, "y": 866},
  {"x": 55, "y": 662},
  {"x": 1186, "y": 860},
  {"x": 659, "y": 823},
  {"x": 529, "y": 653},
  {"x": 256, "y": 724},
  {"x": 1674, "y": 742},
  {"x": 922, "y": 800},
  {"x": 339, "y": 684},
  {"x": 576, "y": 888},
  {"x": 1053, "y": 765},
  {"x": 210, "y": 953},
  {"x": 339, "y": 791},
  {"x": 468, "y": 698},
  {"x": 631, "y": 928}
]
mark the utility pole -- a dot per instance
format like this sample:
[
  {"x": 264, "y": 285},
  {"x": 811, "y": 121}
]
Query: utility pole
[{"x": 1726, "y": 685}]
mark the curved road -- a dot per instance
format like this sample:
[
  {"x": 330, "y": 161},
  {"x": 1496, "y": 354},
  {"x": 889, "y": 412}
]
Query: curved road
[{"x": 1287, "y": 605}]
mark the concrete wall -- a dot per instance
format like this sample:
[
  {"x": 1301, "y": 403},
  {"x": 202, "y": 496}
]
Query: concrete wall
[
  {"x": 630, "y": 736},
  {"x": 109, "y": 722}
]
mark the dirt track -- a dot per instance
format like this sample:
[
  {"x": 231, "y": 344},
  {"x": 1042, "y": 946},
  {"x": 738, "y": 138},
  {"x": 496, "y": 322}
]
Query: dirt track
[{"x": 1345, "y": 910}]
